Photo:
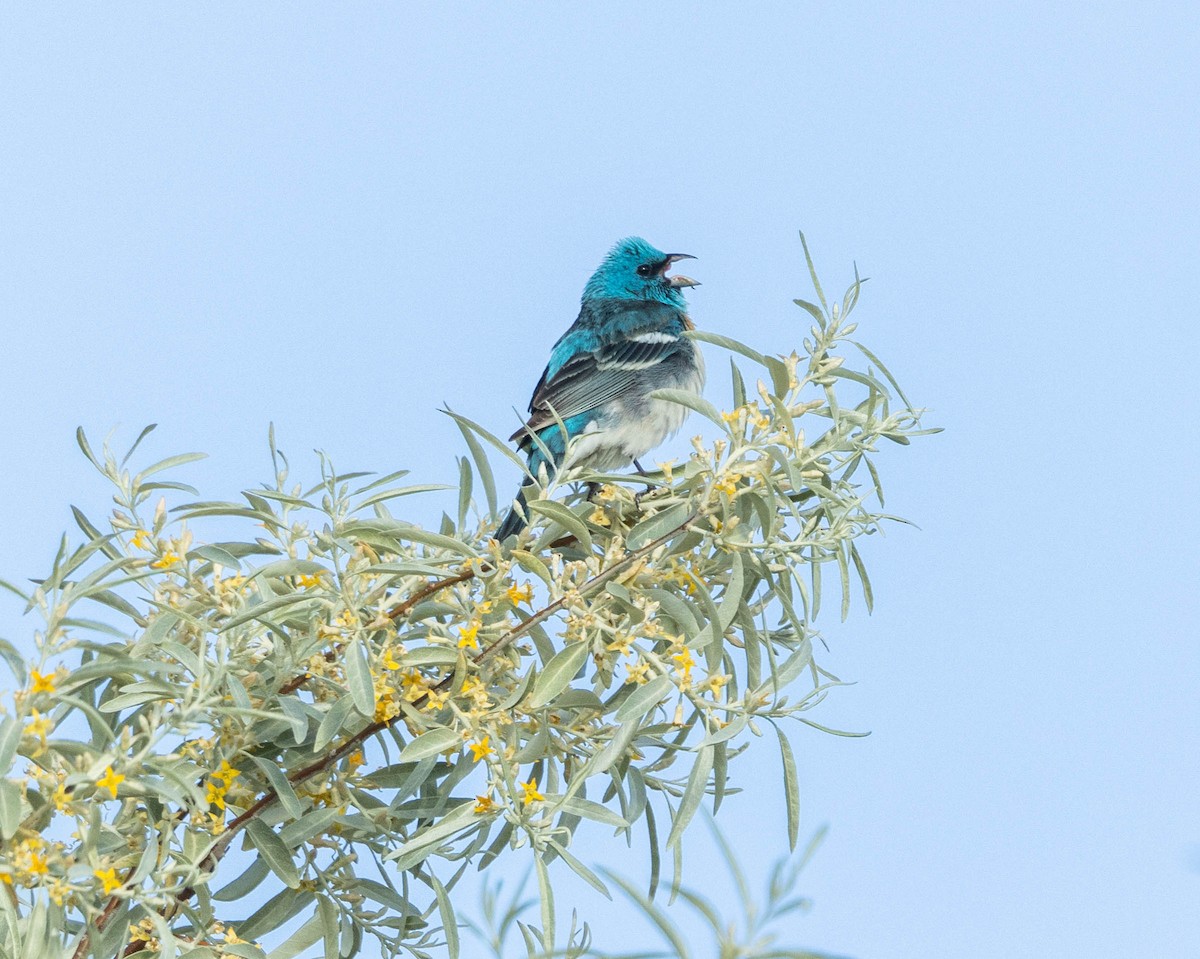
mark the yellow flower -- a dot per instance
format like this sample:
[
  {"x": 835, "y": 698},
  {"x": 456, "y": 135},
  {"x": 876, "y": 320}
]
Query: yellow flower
[
  {"x": 142, "y": 932},
  {"x": 484, "y": 805},
  {"x": 61, "y": 797},
  {"x": 684, "y": 577},
  {"x": 168, "y": 559},
  {"x": 59, "y": 890},
  {"x": 467, "y": 636},
  {"x": 37, "y": 864},
  {"x": 436, "y": 700},
  {"x": 476, "y": 690},
  {"x": 39, "y": 725},
  {"x": 232, "y": 939},
  {"x": 519, "y": 594},
  {"x": 141, "y": 540},
  {"x": 346, "y": 620},
  {"x": 354, "y": 760},
  {"x": 481, "y": 749},
  {"x": 716, "y": 682},
  {"x": 109, "y": 878},
  {"x": 415, "y": 689},
  {"x": 620, "y": 643},
  {"x": 412, "y": 679},
  {"x": 531, "y": 792},
  {"x": 226, "y": 773},
  {"x": 386, "y": 708},
  {"x": 727, "y": 484},
  {"x": 309, "y": 581},
  {"x": 638, "y": 673},
  {"x": 389, "y": 659},
  {"x": 42, "y": 683},
  {"x": 110, "y": 781},
  {"x": 599, "y": 517},
  {"x": 216, "y": 794},
  {"x": 684, "y": 662},
  {"x": 668, "y": 469}
]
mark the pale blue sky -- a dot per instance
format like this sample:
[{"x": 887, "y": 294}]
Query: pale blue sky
[{"x": 338, "y": 217}]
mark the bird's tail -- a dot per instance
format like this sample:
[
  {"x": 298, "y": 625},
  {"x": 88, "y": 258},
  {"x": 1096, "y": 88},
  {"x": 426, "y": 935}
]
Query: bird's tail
[{"x": 517, "y": 518}]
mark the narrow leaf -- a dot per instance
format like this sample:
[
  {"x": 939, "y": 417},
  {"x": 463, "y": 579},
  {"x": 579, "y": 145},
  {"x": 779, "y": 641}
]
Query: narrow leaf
[{"x": 558, "y": 674}]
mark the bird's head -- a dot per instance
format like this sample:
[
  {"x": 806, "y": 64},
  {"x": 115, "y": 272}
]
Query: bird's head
[{"x": 634, "y": 270}]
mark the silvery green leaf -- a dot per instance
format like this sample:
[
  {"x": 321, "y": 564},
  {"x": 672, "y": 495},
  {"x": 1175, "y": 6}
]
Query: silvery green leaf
[
  {"x": 432, "y": 743},
  {"x": 274, "y": 852},
  {"x": 431, "y": 656},
  {"x": 558, "y": 674},
  {"x": 10, "y": 808},
  {"x": 169, "y": 463},
  {"x": 725, "y": 733},
  {"x": 446, "y": 911},
  {"x": 423, "y": 844},
  {"x": 312, "y": 823},
  {"x": 261, "y": 610},
  {"x": 384, "y": 895},
  {"x": 582, "y": 871},
  {"x": 727, "y": 343},
  {"x": 244, "y": 884},
  {"x": 532, "y": 564},
  {"x": 384, "y": 495},
  {"x": 658, "y": 525},
  {"x": 687, "y": 619},
  {"x": 669, "y": 930},
  {"x": 588, "y": 810},
  {"x": 791, "y": 787},
  {"x": 10, "y": 739},
  {"x": 564, "y": 518},
  {"x": 283, "y": 788},
  {"x": 693, "y": 793},
  {"x": 692, "y": 401},
  {"x": 864, "y": 580},
  {"x": 15, "y": 661},
  {"x": 274, "y": 913},
  {"x": 292, "y": 567},
  {"x": 358, "y": 678},
  {"x": 547, "y": 903},
  {"x": 328, "y": 913},
  {"x": 215, "y": 554},
  {"x": 331, "y": 725},
  {"x": 644, "y": 698},
  {"x": 299, "y": 940},
  {"x": 519, "y": 692}
]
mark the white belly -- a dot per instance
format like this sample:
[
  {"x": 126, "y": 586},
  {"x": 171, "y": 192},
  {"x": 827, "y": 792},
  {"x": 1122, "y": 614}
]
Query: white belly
[{"x": 640, "y": 425}]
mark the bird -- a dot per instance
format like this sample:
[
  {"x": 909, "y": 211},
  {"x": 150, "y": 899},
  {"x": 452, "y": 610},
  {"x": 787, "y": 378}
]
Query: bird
[{"x": 627, "y": 342}]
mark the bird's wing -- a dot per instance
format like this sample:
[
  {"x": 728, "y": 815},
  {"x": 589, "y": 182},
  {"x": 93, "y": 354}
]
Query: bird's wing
[{"x": 593, "y": 376}]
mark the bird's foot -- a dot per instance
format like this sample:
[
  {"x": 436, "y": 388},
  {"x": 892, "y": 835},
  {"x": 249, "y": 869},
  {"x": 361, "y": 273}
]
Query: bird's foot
[{"x": 650, "y": 487}]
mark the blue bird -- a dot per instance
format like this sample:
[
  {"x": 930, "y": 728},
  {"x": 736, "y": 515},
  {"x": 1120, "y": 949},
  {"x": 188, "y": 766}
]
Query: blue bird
[{"x": 626, "y": 342}]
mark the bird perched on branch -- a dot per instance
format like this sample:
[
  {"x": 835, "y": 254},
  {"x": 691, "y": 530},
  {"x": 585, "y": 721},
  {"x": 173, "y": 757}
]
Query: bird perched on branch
[{"x": 626, "y": 343}]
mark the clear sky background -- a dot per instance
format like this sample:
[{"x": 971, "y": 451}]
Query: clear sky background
[{"x": 338, "y": 217}]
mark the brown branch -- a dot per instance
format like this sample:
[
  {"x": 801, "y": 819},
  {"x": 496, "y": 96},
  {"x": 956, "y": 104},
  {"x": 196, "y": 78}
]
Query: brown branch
[
  {"x": 104, "y": 918},
  {"x": 404, "y": 608}
]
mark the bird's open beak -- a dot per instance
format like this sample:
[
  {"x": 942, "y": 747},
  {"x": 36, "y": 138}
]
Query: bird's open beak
[{"x": 680, "y": 280}]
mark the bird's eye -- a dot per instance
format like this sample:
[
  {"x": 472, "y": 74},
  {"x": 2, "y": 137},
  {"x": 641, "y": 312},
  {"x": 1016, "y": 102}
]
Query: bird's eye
[{"x": 644, "y": 270}]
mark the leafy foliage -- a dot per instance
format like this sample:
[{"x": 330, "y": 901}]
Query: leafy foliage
[{"x": 339, "y": 711}]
